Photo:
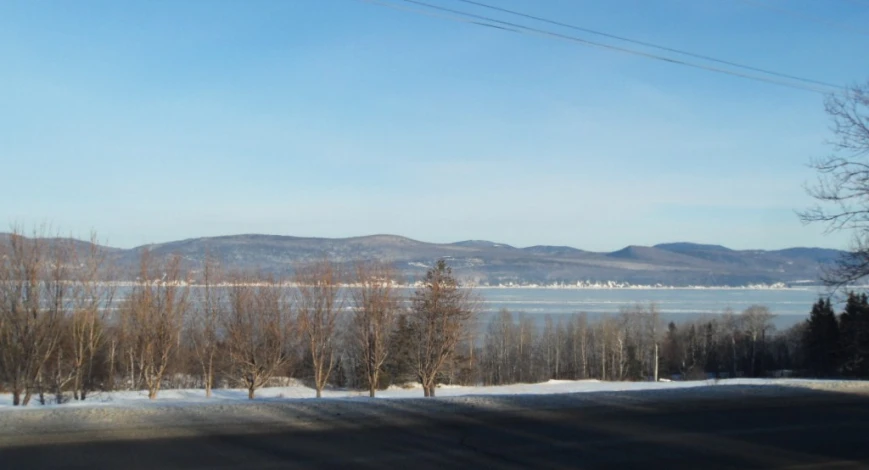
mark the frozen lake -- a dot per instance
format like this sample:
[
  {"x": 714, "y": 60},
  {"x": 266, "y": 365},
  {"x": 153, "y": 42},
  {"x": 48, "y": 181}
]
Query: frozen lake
[{"x": 789, "y": 305}]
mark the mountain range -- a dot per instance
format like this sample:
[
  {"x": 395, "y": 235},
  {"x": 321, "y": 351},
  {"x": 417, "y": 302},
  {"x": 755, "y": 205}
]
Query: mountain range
[{"x": 490, "y": 263}]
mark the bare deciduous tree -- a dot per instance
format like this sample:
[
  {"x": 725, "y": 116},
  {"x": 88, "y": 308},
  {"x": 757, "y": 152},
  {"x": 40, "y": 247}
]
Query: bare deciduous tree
[
  {"x": 205, "y": 323},
  {"x": 319, "y": 301},
  {"x": 93, "y": 298},
  {"x": 441, "y": 312},
  {"x": 842, "y": 189},
  {"x": 757, "y": 321},
  {"x": 580, "y": 343},
  {"x": 499, "y": 346},
  {"x": 29, "y": 323},
  {"x": 257, "y": 325},
  {"x": 376, "y": 304},
  {"x": 652, "y": 329},
  {"x": 154, "y": 315},
  {"x": 525, "y": 369},
  {"x": 55, "y": 305}
]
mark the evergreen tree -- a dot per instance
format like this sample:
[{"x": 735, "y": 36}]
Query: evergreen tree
[
  {"x": 822, "y": 340},
  {"x": 399, "y": 367},
  {"x": 713, "y": 364},
  {"x": 634, "y": 364},
  {"x": 693, "y": 361},
  {"x": 441, "y": 314},
  {"x": 671, "y": 351},
  {"x": 854, "y": 333}
]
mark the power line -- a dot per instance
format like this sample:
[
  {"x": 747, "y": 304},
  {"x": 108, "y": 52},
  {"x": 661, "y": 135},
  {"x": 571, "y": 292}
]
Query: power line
[
  {"x": 804, "y": 16},
  {"x": 519, "y": 28},
  {"x": 436, "y": 15},
  {"x": 648, "y": 44},
  {"x": 522, "y": 29}
]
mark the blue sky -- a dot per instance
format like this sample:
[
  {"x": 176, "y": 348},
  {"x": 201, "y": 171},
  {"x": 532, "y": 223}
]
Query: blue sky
[{"x": 161, "y": 120}]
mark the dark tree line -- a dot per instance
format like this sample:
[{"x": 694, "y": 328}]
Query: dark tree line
[
  {"x": 837, "y": 345},
  {"x": 632, "y": 345}
]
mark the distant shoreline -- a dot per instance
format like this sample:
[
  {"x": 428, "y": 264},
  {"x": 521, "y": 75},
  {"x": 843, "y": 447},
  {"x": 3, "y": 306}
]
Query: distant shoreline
[
  {"x": 613, "y": 286},
  {"x": 784, "y": 288}
]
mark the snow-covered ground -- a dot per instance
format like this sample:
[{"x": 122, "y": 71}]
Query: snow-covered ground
[
  {"x": 299, "y": 392},
  {"x": 181, "y": 412}
]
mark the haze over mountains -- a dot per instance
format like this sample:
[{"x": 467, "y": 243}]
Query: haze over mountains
[{"x": 490, "y": 263}]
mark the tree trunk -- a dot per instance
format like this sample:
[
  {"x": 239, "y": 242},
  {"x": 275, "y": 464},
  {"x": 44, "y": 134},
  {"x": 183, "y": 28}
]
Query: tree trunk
[
  {"x": 621, "y": 359},
  {"x": 76, "y": 386},
  {"x": 87, "y": 379},
  {"x": 27, "y": 396},
  {"x": 132, "y": 372},
  {"x": 425, "y": 391},
  {"x": 251, "y": 392},
  {"x": 603, "y": 361},
  {"x": 153, "y": 390},
  {"x": 557, "y": 359},
  {"x": 319, "y": 391},
  {"x": 373, "y": 377},
  {"x": 733, "y": 357},
  {"x": 16, "y": 397},
  {"x": 58, "y": 390},
  {"x": 111, "y": 383},
  {"x": 209, "y": 374},
  {"x": 584, "y": 363}
]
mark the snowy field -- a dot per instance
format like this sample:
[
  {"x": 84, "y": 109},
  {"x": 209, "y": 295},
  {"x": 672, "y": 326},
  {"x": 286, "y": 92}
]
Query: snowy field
[{"x": 299, "y": 392}]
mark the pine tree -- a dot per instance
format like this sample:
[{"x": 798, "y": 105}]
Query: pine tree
[
  {"x": 854, "y": 332},
  {"x": 634, "y": 364},
  {"x": 440, "y": 315},
  {"x": 693, "y": 361},
  {"x": 713, "y": 364},
  {"x": 399, "y": 366},
  {"x": 822, "y": 340},
  {"x": 671, "y": 351}
]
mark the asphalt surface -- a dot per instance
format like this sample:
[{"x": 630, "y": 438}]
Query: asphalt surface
[{"x": 821, "y": 431}]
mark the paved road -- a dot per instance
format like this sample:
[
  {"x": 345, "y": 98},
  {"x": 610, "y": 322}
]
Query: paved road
[{"x": 823, "y": 431}]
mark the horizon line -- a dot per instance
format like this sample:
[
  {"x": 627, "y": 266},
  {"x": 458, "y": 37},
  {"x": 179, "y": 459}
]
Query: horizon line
[{"x": 455, "y": 243}]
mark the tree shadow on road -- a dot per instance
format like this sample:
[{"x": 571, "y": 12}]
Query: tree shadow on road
[{"x": 722, "y": 427}]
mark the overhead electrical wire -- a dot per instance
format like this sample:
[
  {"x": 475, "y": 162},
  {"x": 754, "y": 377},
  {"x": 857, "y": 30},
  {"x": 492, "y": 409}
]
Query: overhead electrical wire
[
  {"x": 436, "y": 15},
  {"x": 648, "y": 44},
  {"x": 486, "y": 21}
]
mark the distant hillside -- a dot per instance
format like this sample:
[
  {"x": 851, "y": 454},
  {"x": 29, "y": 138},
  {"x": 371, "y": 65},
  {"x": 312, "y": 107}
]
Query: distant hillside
[
  {"x": 486, "y": 262},
  {"x": 491, "y": 263}
]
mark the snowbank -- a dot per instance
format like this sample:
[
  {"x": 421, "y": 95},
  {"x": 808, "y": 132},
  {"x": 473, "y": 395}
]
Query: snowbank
[
  {"x": 122, "y": 415},
  {"x": 298, "y": 391}
]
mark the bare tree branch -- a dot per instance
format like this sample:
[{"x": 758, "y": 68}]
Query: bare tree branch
[
  {"x": 319, "y": 301},
  {"x": 842, "y": 186},
  {"x": 376, "y": 303}
]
